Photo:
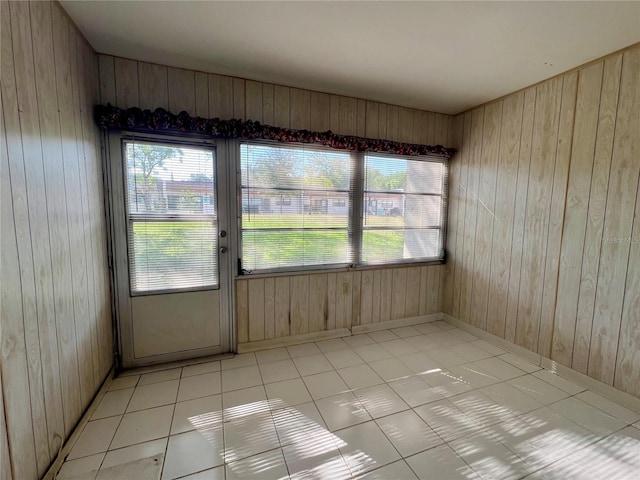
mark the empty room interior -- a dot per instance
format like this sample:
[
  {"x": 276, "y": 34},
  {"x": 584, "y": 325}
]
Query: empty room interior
[{"x": 320, "y": 240}]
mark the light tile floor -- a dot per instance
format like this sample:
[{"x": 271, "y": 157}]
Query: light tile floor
[{"x": 429, "y": 401}]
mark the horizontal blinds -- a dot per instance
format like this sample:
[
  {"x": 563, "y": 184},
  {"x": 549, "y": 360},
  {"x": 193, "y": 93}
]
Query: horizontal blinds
[
  {"x": 402, "y": 209},
  {"x": 172, "y": 217},
  {"x": 295, "y": 207}
]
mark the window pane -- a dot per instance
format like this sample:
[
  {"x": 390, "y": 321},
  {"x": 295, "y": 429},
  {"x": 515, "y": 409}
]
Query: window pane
[
  {"x": 169, "y": 255},
  {"x": 383, "y": 246},
  {"x": 164, "y": 179},
  {"x": 403, "y": 175},
  {"x": 172, "y": 217},
  {"x": 291, "y": 198},
  {"x": 266, "y": 166},
  {"x": 402, "y": 209},
  {"x": 262, "y": 208},
  {"x": 278, "y": 249}
]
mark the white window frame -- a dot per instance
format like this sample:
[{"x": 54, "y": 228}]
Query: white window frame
[
  {"x": 132, "y": 218},
  {"x": 355, "y": 215}
]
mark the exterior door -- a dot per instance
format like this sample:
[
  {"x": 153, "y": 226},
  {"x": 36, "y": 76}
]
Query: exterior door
[{"x": 171, "y": 267}]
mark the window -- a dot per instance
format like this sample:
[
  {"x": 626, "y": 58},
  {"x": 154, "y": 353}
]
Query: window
[
  {"x": 303, "y": 232},
  {"x": 171, "y": 214},
  {"x": 344, "y": 209},
  {"x": 404, "y": 218}
]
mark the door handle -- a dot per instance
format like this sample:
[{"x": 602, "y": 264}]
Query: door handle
[{"x": 223, "y": 249}]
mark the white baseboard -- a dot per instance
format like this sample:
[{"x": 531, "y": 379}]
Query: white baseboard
[
  {"x": 292, "y": 340},
  {"x": 607, "y": 391},
  {"x": 402, "y": 322}
]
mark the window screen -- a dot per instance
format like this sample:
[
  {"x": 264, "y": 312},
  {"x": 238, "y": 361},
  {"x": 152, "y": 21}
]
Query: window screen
[
  {"x": 172, "y": 219},
  {"x": 295, "y": 207},
  {"x": 402, "y": 209}
]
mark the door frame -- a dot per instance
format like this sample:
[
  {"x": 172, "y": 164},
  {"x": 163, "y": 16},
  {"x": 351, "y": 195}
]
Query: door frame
[{"x": 118, "y": 244}]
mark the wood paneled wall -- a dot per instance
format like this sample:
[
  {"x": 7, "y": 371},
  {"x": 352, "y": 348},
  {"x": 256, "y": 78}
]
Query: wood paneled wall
[
  {"x": 544, "y": 224},
  {"x": 291, "y": 305},
  {"x": 57, "y": 336},
  {"x": 129, "y": 83}
]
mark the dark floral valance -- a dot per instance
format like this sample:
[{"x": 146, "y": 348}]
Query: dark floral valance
[{"x": 111, "y": 117}]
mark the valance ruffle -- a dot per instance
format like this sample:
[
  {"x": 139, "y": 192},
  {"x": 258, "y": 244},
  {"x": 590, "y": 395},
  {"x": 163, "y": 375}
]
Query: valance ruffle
[{"x": 111, "y": 117}]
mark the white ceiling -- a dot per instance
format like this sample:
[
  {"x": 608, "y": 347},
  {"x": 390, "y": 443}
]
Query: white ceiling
[{"x": 439, "y": 56}]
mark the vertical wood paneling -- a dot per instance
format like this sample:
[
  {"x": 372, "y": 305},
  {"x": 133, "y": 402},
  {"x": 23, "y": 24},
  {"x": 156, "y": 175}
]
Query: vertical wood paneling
[
  {"x": 510, "y": 130},
  {"x": 486, "y": 212},
  {"x": 220, "y": 97},
  {"x": 267, "y": 104},
  {"x": 5, "y": 459},
  {"x": 376, "y": 294},
  {"x": 202, "y": 94},
  {"x": 564, "y": 254},
  {"x": 344, "y": 292},
  {"x": 282, "y": 312},
  {"x": 424, "y": 290},
  {"x": 239, "y": 101},
  {"x": 433, "y": 293},
  {"x": 269, "y": 307},
  {"x": 405, "y": 125},
  {"x": 545, "y": 134},
  {"x": 242, "y": 310},
  {"x": 107, "y": 72},
  {"x": 281, "y": 107},
  {"x": 154, "y": 91},
  {"x": 334, "y": 113},
  {"x": 361, "y": 118},
  {"x": 392, "y": 121},
  {"x": 366, "y": 297},
  {"x": 412, "y": 300},
  {"x": 348, "y": 111},
  {"x": 459, "y": 286},
  {"x": 577, "y": 204},
  {"x": 56, "y": 319},
  {"x": 317, "y": 303},
  {"x": 618, "y": 224},
  {"x": 628, "y": 359},
  {"x": 300, "y": 109},
  {"x": 332, "y": 281},
  {"x": 254, "y": 101},
  {"x": 126, "y": 83},
  {"x": 14, "y": 217},
  {"x": 256, "y": 309},
  {"x": 299, "y": 299},
  {"x": 320, "y": 111},
  {"x": 399, "y": 293},
  {"x": 371, "y": 120},
  {"x": 356, "y": 297},
  {"x": 182, "y": 90},
  {"x": 595, "y": 216},
  {"x": 471, "y": 211}
]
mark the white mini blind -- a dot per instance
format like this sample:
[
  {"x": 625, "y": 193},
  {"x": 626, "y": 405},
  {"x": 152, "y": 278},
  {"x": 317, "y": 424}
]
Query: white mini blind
[
  {"x": 295, "y": 207},
  {"x": 172, "y": 217},
  {"x": 403, "y": 205}
]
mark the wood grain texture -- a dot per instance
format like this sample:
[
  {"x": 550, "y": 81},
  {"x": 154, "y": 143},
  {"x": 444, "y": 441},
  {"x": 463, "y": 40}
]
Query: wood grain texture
[
  {"x": 154, "y": 90},
  {"x": 486, "y": 213},
  {"x": 510, "y": 131},
  {"x": 56, "y": 318},
  {"x": 254, "y": 106},
  {"x": 320, "y": 111},
  {"x": 300, "y": 109},
  {"x": 127, "y": 87},
  {"x": 564, "y": 252},
  {"x": 242, "y": 310},
  {"x": 282, "y": 312},
  {"x": 618, "y": 224},
  {"x": 299, "y": 300},
  {"x": 317, "y": 303},
  {"x": 269, "y": 307},
  {"x": 595, "y": 216},
  {"x": 256, "y": 309},
  {"x": 577, "y": 204},
  {"x": 556, "y": 213},
  {"x": 181, "y": 85}
]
